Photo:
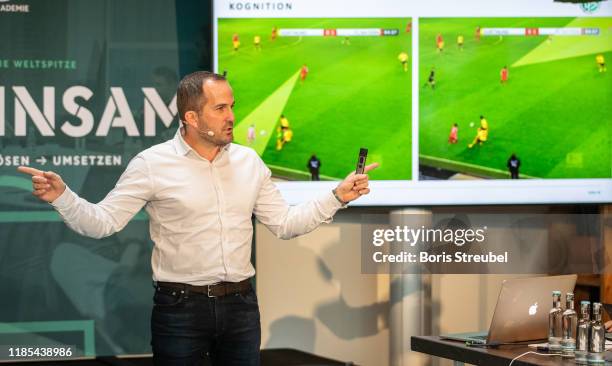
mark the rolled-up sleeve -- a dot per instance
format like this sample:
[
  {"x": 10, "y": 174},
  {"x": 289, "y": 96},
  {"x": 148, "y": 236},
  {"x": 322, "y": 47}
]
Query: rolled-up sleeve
[{"x": 286, "y": 221}]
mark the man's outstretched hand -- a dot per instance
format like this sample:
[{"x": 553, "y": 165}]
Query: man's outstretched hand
[
  {"x": 45, "y": 185},
  {"x": 355, "y": 185}
]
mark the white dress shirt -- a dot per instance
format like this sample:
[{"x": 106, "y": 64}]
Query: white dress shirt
[{"x": 199, "y": 211}]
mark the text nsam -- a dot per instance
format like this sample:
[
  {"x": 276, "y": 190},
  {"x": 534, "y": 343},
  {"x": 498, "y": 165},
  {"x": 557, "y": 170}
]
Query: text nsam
[{"x": 117, "y": 112}]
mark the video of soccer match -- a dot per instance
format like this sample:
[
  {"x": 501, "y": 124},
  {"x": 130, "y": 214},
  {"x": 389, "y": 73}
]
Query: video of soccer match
[
  {"x": 505, "y": 98},
  {"x": 310, "y": 92}
]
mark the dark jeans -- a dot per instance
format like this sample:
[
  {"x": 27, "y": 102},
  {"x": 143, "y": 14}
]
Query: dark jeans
[{"x": 194, "y": 329}]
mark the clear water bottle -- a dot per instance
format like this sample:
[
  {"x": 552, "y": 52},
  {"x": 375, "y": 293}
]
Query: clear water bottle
[
  {"x": 582, "y": 333},
  {"x": 570, "y": 322},
  {"x": 554, "y": 324},
  {"x": 596, "y": 340}
]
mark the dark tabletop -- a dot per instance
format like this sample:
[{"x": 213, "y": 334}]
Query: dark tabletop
[{"x": 501, "y": 355}]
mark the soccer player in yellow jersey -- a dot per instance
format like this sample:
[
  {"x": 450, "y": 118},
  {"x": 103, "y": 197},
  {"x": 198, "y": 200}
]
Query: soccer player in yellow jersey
[
  {"x": 481, "y": 137},
  {"x": 601, "y": 62},
  {"x": 483, "y": 123},
  {"x": 482, "y": 134},
  {"x": 460, "y": 42},
  {"x": 279, "y": 138},
  {"x": 257, "y": 42},
  {"x": 403, "y": 58},
  {"x": 287, "y": 135},
  {"x": 284, "y": 122}
]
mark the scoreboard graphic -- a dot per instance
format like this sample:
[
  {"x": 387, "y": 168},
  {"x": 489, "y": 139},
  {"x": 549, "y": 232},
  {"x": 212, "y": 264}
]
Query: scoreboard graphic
[
  {"x": 569, "y": 31},
  {"x": 339, "y": 32}
]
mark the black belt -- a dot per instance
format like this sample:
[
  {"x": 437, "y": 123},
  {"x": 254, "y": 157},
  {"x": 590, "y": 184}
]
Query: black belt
[{"x": 216, "y": 290}]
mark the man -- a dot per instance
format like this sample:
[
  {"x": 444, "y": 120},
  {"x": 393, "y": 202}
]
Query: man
[
  {"x": 274, "y": 33},
  {"x": 503, "y": 75},
  {"x": 200, "y": 192},
  {"x": 481, "y": 137},
  {"x": 440, "y": 42},
  {"x": 314, "y": 165},
  {"x": 403, "y": 59},
  {"x": 477, "y": 33},
  {"x": 251, "y": 134},
  {"x": 513, "y": 166},
  {"x": 601, "y": 62},
  {"x": 483, "y": 123},
  {"x": 235, "y": 42},
  {"x": 303, "y": 73},
  {"x": 453, "y": 135},
  {"x": 280, "y": 131},
  {"x": 287, "y": 135},
  {"x": 283, "y": 133},
  {"x": 431, "y": 80},
  {"x": 482, "y": 133},
  {"x": 460, "y": 42},
  {"x": 284, "y": 122},
  {"x": 257, "y": 42}
]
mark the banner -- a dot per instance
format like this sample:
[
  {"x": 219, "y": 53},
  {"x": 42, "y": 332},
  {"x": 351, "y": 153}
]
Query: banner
[{"x": 84, "y": 87}]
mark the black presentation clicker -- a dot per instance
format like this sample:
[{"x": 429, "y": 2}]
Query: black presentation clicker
[{"x": 363, "y": 155}]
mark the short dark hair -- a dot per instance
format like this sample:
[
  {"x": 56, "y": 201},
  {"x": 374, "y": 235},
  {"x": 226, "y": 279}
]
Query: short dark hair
[{"x": 190, "y": 93}]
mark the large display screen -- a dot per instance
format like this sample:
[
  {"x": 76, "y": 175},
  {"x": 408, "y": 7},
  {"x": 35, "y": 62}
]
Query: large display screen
[{"x": 480, "y": 104}]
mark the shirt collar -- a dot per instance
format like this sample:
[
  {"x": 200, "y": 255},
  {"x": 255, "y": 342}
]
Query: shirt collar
[{"x": 183, "y": 148}]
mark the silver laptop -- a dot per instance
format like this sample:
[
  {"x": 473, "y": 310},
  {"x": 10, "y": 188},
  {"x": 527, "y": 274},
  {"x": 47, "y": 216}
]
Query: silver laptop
[{"x": 521, "y": 312}]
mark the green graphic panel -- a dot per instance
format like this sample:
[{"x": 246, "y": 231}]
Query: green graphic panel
[
  {"x": 554, "y": 111},
  {"x": 356, "y": 93},
  {"x": 84, "y": 87}
]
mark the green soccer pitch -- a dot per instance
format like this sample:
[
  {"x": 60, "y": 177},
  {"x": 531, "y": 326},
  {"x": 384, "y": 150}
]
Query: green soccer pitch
[
  {"x": 555, "y": 112},
  {"x": 356, "y": 94}
]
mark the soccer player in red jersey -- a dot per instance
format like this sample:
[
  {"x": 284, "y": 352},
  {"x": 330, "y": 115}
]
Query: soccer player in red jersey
[
  {"x": 440, "y": 42},
  {"x": 503, "y": 74},
  {"x": 453, "y": 136},
  {"x": 303, "y": 72}
]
